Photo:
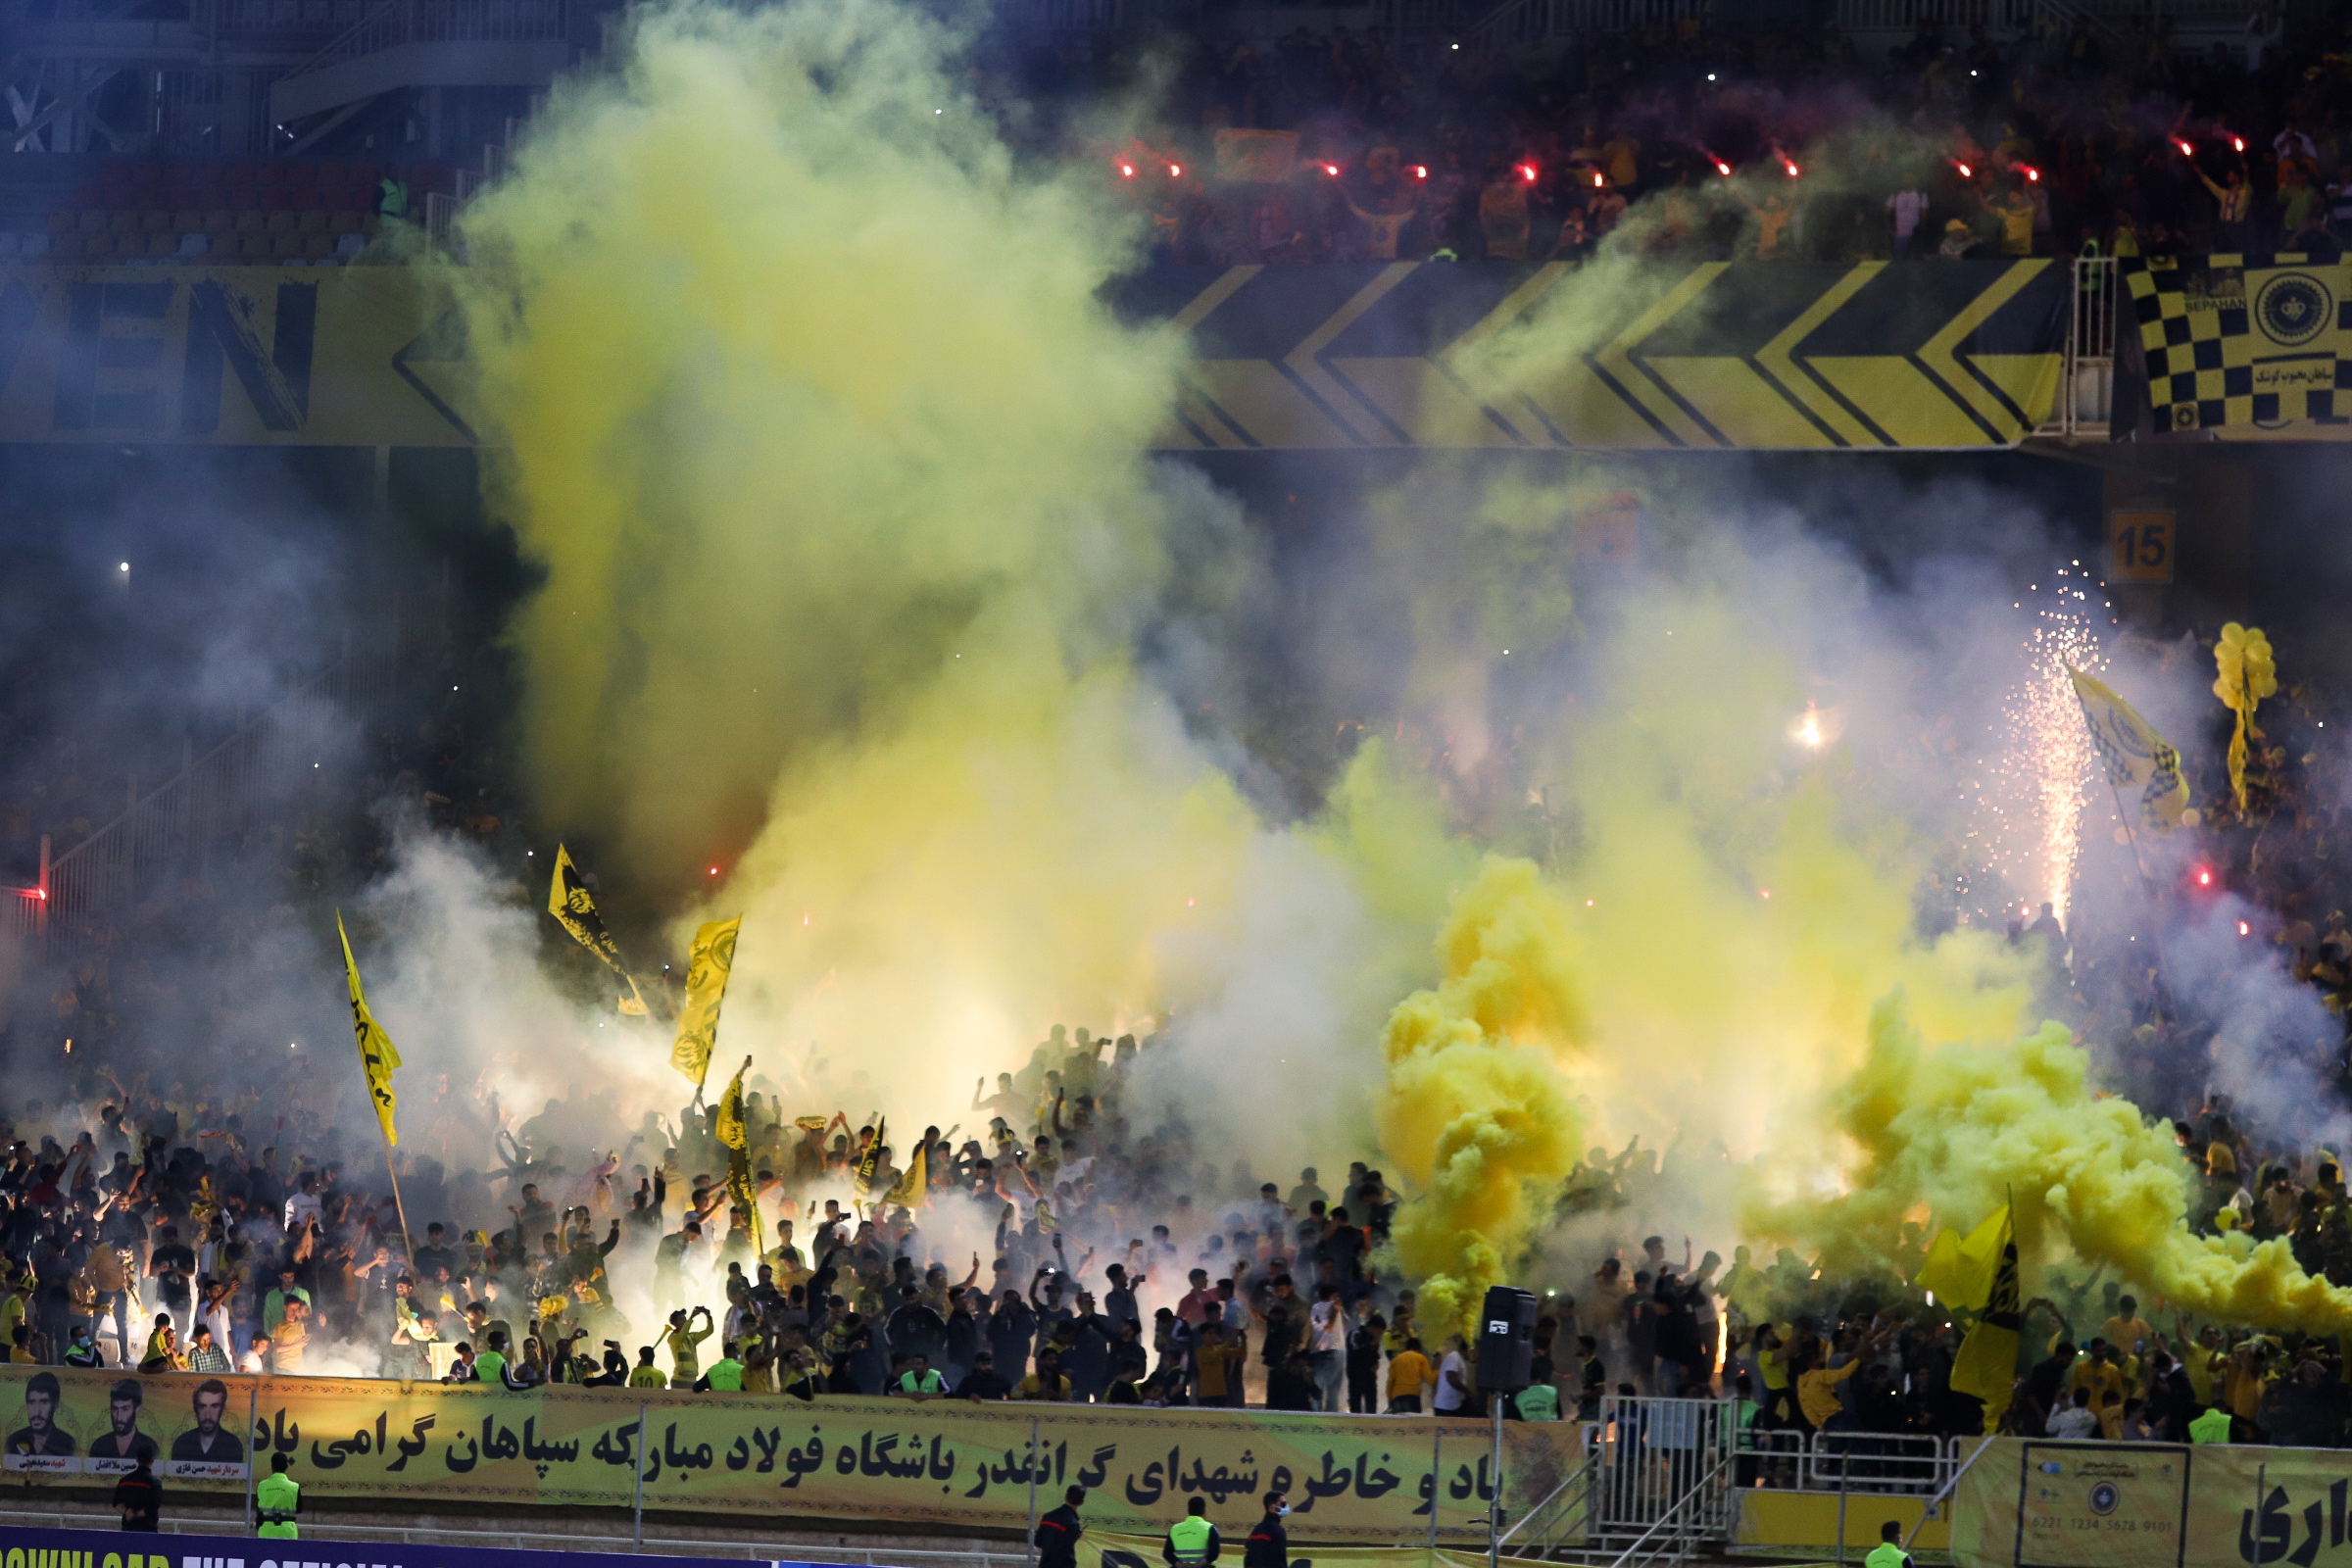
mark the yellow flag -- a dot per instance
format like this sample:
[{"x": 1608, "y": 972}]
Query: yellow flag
[
  {"x": 869, "y": 1164},
  {"x": 1960, "y": 1272},
  {"x": 707, "y": 968},
  {"x": 730, "y": 1129},
  {"x": 2134, "y": 755},
  {"x": 1987, "y": 1365},
  {"x": 732, "y": 1133},
  {"x": 909, "y": 1194},
  {"x": 2246, "y": 673},
  {"x": 574, "y": 908},
  {"x": 377, "y": 1055}
]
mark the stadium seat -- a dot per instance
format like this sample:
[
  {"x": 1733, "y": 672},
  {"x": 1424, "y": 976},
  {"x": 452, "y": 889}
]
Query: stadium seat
[
  {"x": 220, "y": 221},
  {"x": 64, "y": 246},
  {"x": 317, "y": 245},
  {"x": 350, "y": 245},
  {"x": 155, "y": 220},
  {"x": 283, "y": 221},
  {"x": 194, "y": 247},
  {"x": 123, "y": 221},
  {"x": 252, "y": 220},
  {"x": 285, "y": 242},
  {"x": 343, "y": 223},
  {"x": 64, "y": 222},
  {"x": 33, "y": 246},
  {"x": 161, "y": 247},
  {"x": 312, "y": 222}
]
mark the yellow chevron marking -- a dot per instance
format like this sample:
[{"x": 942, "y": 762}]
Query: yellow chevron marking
[
  {"x": 1940, "y": 352},
  {"x": 1776, "y": 355},
  {"x": 1308, "y": 368}
]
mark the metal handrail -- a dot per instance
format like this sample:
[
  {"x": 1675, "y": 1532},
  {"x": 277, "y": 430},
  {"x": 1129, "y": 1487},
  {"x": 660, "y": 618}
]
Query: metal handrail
[
  {"x": 1585, "y": 1473},
  {"x": 1687, "y": 1499}
]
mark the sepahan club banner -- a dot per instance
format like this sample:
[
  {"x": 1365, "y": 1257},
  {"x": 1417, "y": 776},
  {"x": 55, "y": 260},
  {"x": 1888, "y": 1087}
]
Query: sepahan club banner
[
  {"x": 1368, "y": 1480},
  {"x": 2035, "y": 1504}
]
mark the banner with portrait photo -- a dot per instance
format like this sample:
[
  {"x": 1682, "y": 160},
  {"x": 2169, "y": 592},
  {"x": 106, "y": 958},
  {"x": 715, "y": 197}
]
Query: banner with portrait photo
[{"x": 1349, "y": 1479}]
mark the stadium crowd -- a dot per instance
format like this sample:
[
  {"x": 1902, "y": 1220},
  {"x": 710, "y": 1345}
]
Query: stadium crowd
[
  {"x": 1700, "y": 142},
  {"x": 1059, "y": 1241}
]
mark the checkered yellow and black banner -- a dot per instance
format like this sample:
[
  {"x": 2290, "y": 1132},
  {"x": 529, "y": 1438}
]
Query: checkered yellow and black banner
[{"x": 2245, "y": 340}]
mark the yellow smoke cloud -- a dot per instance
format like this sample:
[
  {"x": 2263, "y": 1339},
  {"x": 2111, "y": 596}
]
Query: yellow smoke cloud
[
  {"x": 1473, "y": 1107},
  {"x": 1961, "y": 1129},
  {"x": 806, "y": 400},
  {"x": 834, "y": 463}
]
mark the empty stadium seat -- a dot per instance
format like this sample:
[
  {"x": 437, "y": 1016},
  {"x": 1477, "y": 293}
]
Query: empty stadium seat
[{"x": 194, "y": 246}]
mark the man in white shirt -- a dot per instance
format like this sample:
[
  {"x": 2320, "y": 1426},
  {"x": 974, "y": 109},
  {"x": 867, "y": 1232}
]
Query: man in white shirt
[
  {"x": 1908, "y": 207},
  {"x": 2076, "y": 1421},
  {"x": 1453, "y": 1379},
  {"x": 1326, "y": 1346},
  {"x": 303, "y": 1206}
]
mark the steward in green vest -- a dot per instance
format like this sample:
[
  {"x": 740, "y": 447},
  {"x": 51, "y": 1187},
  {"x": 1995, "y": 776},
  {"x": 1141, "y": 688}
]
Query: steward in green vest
[
  {"x": 1191, "y": 1540},
  {"x": 1889, "y": 1552},
  {"x": 276, "y": 1503},
  {"x": 2211, "y": 1427}
]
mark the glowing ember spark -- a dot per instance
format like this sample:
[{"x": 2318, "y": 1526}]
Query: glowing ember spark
[{"x": 2047, "y": 767}]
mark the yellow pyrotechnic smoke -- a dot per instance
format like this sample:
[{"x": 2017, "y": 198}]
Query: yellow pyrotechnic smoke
[
  {"x": 1962, "y": 1129},
  {"x": 1473, "y": 1107},
  {"x": 834, "y": 465},
  {"x": 2245, "y": 674}
]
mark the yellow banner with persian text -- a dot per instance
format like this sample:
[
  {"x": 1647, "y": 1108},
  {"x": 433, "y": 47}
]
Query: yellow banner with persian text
[
  {"x": 2029, "y": 1503},
  {"x": 1363, "y": 1479}
]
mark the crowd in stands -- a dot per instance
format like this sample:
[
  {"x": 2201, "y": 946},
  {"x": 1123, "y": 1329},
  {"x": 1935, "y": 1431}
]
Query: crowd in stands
[
  {"x": 280, "y": 211},
  {"x": 1684, "y": 142}
]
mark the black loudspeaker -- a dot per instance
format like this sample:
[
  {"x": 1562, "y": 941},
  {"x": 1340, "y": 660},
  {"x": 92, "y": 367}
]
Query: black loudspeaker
[{"x": 1506, "y": 1339}]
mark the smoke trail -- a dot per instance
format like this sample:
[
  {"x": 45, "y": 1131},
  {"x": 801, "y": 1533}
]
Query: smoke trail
[
  {"x": 1962, "y": 1129},
  {"x": 1474, "y": 1106}
]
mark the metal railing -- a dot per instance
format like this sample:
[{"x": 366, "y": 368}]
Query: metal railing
[
  {"x": 233, "y": 789},
  {"x": 1563, "y": 1518},
  {"x": 2086, "y": 385},
  {"x": 403, "y": 21},
  {"x": 1518, "y": 24},
  {"x": 1653, "y": 1453}
]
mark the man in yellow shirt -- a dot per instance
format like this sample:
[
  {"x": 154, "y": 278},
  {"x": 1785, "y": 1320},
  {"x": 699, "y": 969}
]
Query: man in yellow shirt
[
  {"x": 2127, "y": 1331},
  {"x": 646, "y": 1375},
  {"x": 2098, "y": 1373},
  {"x": 684, "y": 1339},
  {"x": 1409, "y": 1375},
  {"x": 1817, "y": 1391}
]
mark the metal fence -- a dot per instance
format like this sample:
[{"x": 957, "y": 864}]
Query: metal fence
[
  {"x": 239, "y": 786},
  {"x": 401, "y": 21}
]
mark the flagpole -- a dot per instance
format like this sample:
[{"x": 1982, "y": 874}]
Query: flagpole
[
  {"x": 2147, "y": 885},
  {"x": 407, "y": 1246}
]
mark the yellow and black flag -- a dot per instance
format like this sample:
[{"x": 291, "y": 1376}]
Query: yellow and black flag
[
  {"x": 869, "y": 1164},
  {"x": 706, "y": 970},
  {"x": 574, "y": 908},
  {"x": 1987, "y": 1365},
  {"x": 2244, "y": 339},
  {"x": 2134, "y": 755},
  {"x": 909, "y": 1194},
  {"x": 733, "y": 1134},
  {"x": 377, "y": 1055}
]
